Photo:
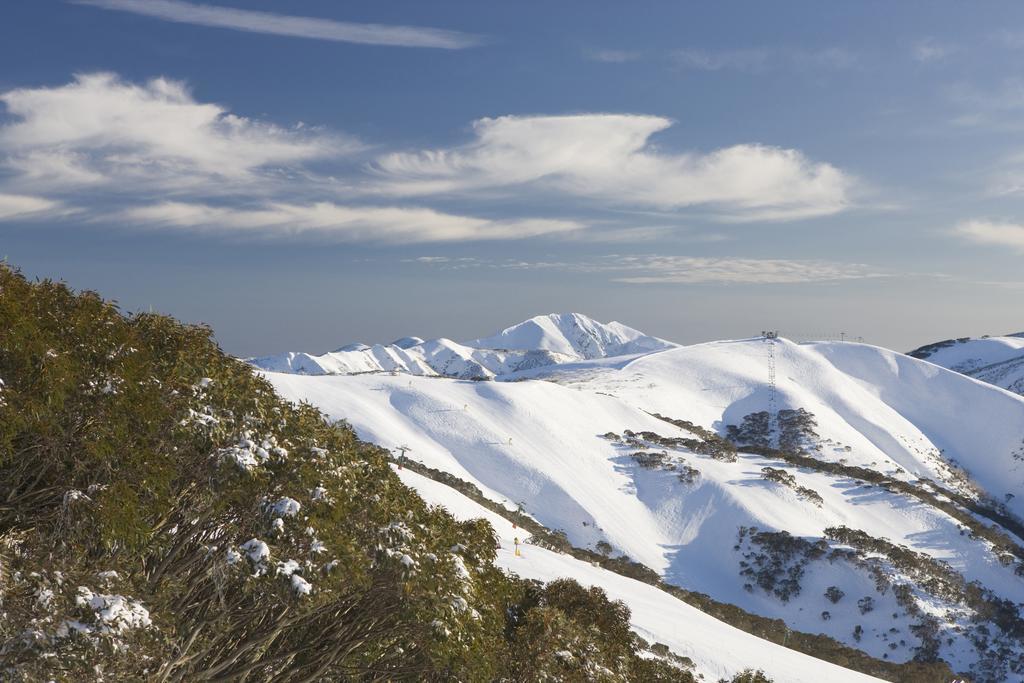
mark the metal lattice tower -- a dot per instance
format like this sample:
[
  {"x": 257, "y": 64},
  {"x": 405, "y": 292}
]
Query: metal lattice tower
[{"x": 770, "y": 337}]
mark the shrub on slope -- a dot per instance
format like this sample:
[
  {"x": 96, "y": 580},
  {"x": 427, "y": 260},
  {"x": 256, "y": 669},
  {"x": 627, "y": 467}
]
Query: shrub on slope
[{"x": 165, "y": 516}]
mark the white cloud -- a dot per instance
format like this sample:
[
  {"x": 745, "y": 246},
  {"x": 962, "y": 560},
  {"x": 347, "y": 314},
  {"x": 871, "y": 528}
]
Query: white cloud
[
  {"x": 609, "y": 157},
  {"x": 99, "y": 129},
  {"x": 292, "y": 26},
  {"x": 995, "y": 233},
  {"x": 27, "y": 206},
  {"x": 757, "y": 60},
  {"x": 342, "y": 223},
  {"x": 123, "y": 149},
  {"x": 658, "y": 269}
]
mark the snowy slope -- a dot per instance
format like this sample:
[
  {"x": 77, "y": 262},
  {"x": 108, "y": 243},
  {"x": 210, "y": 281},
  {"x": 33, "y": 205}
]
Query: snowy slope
[
  {"x": 896, "y": 413},
  {"x": 546, "y": 445},
  {"x": 996, "y": 360},
  {"x": 966, "y": 354},
  {"x": 717, "y": 649},
  {"x": 1009, "y": 374},
  {"x": 541, "y": 341}
]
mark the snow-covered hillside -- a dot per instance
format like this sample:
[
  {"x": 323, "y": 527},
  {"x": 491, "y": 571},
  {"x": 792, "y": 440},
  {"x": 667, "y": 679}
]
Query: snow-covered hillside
[
  {"x": 996, "y": 360},
  {"x": 882, "y": 565},
  {"x": 540, "y": 341}
]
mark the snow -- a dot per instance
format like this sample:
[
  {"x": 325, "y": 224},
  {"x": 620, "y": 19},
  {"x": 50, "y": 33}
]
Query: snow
[
  {"x": 996, "y": 360},
  {"x": 287, "y": 507},
  {"x": 572, "y": 334},
  {"x": 970, "y": 354},
  {"x": 538, "y": 342},
  {"x": 113, "y": 613},
  {"x": 73, "y": 495},
  {"x": 258, "y": 553},
  {"x": 717, "y": 649},
  {"x": 407, "y": 342},
  {"x": 301, "y": 586},
  {"x": 44, "y": 597},
  {"x": 245, "y": 454},
  {"x": 288, "y": 567},
  {"x": 539, "y": 443}
]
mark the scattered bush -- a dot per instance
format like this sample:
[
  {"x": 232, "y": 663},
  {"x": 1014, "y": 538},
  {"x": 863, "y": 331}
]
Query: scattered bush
[
  {"x": 166, "y": 515},
  {"x": 749, "y": 676}
]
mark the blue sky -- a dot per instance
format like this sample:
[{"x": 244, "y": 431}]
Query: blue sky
[{"x": 300, "y": 175}]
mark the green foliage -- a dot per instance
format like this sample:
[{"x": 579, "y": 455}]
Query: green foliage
[
  {"x": 750, "y": 676},
  {"x": 566, "y": 632},
  {"x": 776, "y": 560},
  {"x": 834, "y": 594},
  {"x": 706, "y": 443},
  {"x": 754, "y": 430},
  {"x": 165, "y": 516}
]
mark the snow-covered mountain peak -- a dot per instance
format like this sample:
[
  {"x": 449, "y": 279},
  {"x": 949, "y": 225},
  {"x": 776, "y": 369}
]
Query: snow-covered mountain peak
[
  {"x": 572, "y": 334},
  {"x": 407, "y": 342}
]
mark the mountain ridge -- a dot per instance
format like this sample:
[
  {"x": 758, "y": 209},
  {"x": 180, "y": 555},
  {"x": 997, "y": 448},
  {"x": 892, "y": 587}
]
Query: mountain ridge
[
  {"x": 542, "y": 340},
  {"x": 997, "y": 360}
]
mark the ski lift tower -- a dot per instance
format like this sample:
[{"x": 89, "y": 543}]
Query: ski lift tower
[{"x": 770, "y": 337}]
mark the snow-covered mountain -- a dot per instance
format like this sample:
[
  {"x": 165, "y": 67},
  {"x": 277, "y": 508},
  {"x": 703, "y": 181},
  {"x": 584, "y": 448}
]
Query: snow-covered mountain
[
  {"x": 899, "y": 488},
  {"x": 538, "y": 342},
  {"x": 996, "y": 360},
  {"x": 574, "y": 335}
]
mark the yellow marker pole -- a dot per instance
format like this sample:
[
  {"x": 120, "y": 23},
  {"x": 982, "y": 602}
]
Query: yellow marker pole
[{"x": 516, "y": 541}]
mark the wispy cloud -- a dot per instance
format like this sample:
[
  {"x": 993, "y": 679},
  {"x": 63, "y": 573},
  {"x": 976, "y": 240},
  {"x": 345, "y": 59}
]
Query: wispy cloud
[
  {"x": 1010, "y": 38},
  {"x": 657, "y": 269},
  {"x": 612, "y": 56},
  {"x": 693, "y": 270},
  {"x": 609, "y": 158},
  {"x": 992, "y": 233},
  {"x": 333, "y": 222},
  {"x": 995, "y": 108},
  {"x": 751, "y": 60},
  {"x": 292, "y": 26},
  {"x": 19, "y": 206},
  {"x": 755, "y": 60},
  {"x": 928, "y": 50}
]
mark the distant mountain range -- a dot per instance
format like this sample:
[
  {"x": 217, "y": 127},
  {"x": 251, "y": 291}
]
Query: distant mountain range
[{"x": 538, "y": 342}]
